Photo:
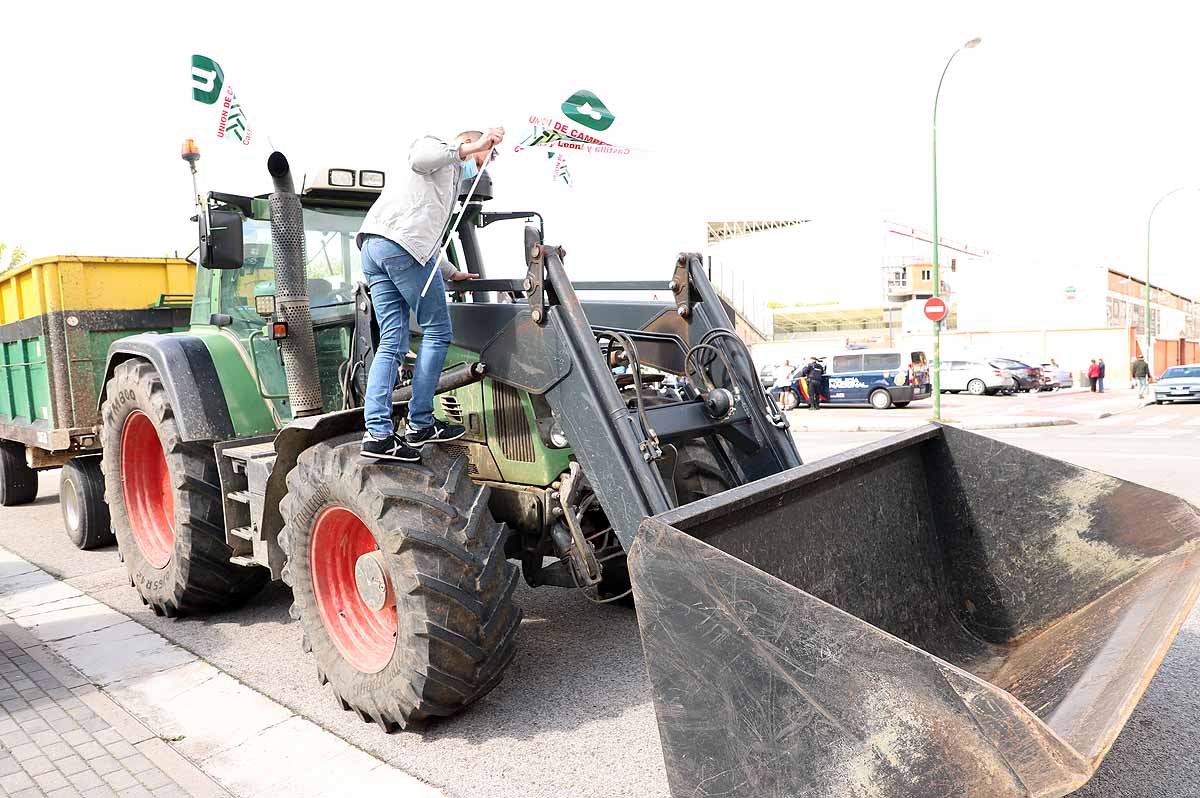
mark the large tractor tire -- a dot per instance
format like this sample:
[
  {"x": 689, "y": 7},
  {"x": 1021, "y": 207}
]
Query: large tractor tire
[
  {"x": 400, "y": 581},
  {"x": 18, "y": 482},
  {"x": 81, "y": 496},
  {"x": 165, "y": 501}
]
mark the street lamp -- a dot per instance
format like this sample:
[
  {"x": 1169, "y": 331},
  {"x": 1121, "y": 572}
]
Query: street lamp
[
  {"x": 1149, "y": 352},
  {"x": 937, "y": 280}
]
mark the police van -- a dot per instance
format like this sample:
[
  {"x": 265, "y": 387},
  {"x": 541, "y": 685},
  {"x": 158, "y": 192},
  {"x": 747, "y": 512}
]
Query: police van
[{"x": 882, "y": 378}]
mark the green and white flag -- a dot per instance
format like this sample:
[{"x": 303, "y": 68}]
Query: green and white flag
[
  {"x": 209, "y": 88},
  {"x": 586, "y": 115}
]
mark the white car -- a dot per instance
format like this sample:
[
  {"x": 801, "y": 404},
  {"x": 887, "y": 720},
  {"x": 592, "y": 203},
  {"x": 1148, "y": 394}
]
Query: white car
[
  {"x": 1178, "y": 383},
  {"x": 974, "y": 376},
  {"x": 1056, "y": 377}
]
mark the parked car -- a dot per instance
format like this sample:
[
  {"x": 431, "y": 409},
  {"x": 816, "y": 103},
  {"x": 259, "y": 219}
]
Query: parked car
[
  {"x": 976, "y": 377},
  {"x": 1024, "y": 376},
  {"x": 1054, "y": 377},
  {"x": 1178, "y": 383},
  {"x": 882, "y": 378},
  {"x": 766, "y": 375}
]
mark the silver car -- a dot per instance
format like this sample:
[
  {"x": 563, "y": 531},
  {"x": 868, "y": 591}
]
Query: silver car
[
  {"x": 1178, "y": 383},
  {"x": 974, "y": 376}
]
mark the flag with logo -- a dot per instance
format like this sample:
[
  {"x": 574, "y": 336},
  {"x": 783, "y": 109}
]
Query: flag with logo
[
  {"x": 210, "y": 88},
  {"x": 584, "y": 117}
]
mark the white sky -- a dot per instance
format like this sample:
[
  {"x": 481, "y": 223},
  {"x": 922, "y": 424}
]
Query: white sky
[{"x": 1057, "y": 134}]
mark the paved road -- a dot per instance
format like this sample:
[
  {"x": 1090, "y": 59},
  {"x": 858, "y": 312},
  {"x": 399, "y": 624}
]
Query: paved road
[{"x": 572, "y": 716}]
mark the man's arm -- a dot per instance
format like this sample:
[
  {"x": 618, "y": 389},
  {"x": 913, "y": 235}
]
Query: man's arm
[
  {"x": 450, "y": 273},
  {"x": 427, "y": 155}
]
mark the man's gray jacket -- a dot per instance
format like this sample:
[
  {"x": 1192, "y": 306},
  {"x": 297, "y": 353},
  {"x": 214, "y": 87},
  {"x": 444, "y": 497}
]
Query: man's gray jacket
[{"x": 415, "y": 205}]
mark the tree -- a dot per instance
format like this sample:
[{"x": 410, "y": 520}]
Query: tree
[{"x": 14, "y": 260}]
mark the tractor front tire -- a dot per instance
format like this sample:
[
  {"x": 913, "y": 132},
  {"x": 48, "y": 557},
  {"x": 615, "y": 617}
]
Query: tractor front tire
[
  {"x": 81, "y": 495},
  {"x": 435, "y": 626},
  {"x": 18, "y": 482},
  {"x": 697, "y": 475},
  {"x": 164, "y": 497}
]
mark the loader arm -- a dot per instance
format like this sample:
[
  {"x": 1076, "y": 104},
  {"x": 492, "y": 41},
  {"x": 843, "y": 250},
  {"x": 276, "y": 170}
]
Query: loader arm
[{"x": 551, "y": 349}]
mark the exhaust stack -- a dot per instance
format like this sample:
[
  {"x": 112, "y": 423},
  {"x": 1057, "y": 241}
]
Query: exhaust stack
[{"x": 298, "y": 349}]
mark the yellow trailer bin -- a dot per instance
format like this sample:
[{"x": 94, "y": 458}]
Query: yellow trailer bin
[{"x": 58, "y": 316}]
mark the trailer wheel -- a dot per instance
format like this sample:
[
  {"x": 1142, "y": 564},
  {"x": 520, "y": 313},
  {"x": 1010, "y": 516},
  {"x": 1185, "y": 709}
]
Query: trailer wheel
[
  {"x": 18, "y": 482},
  {"x": 164, "y": 497},
  {"x": 400, "y": 581},
  {"x": 81, "y": 496}
]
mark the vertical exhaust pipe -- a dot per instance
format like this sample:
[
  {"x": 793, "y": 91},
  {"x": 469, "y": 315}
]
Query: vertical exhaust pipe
[{"x": 298, "y": 349}]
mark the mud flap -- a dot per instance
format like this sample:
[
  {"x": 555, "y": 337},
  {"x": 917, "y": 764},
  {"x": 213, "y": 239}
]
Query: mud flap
[{"x": 938, "y": 614}]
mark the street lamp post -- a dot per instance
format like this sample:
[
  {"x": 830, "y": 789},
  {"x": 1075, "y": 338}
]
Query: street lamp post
[
  {"x": 937, "y": 280},
  {"x": 1149, "y": 351}
]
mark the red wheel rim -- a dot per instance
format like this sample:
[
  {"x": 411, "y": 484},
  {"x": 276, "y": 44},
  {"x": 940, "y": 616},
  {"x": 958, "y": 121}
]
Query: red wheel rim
[
  {"x": 365, "y": 637},
  {"x": 146, "y": 483}
]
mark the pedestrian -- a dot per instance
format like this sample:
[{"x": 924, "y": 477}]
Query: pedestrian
[
  {"x": 813, "y": 374},
  {"x": 1140, "y": 371},
  {"x": 1100, "y": 379},
  {"x": 782, "y": 373},
  {"x": 400, "y": 240},
  {"x": 1093, "y": 375}
]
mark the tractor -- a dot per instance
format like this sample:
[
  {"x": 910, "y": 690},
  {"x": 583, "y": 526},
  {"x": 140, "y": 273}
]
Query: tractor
[{"x": 911, "y": 618}]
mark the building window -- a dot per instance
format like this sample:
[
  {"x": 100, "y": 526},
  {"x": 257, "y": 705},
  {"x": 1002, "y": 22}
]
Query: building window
[{"x": 926, "y": 274}]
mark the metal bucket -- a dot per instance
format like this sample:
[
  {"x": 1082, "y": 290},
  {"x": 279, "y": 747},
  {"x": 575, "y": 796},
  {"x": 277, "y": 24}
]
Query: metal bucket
[{"x": 937, "y": 614}]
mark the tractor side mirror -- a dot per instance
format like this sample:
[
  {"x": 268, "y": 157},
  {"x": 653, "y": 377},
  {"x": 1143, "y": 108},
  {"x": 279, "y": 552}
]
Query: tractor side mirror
[{"x": 221, "y": 239}]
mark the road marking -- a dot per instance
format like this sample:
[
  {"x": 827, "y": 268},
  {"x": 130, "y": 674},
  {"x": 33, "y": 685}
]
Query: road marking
[
  {"x": 1131, "y": 435},
  {"x": 1075, "y": 453},
  {"x": 1195, "y": 422},
  {"x": 1156, "y": 420}
]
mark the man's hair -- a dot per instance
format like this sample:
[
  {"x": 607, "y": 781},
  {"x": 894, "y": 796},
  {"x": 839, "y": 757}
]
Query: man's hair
[{"x": 473, "y": 135}]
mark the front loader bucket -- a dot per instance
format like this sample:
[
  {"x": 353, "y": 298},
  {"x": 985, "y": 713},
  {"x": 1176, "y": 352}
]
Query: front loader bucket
[{"x": 938, "y": 614}]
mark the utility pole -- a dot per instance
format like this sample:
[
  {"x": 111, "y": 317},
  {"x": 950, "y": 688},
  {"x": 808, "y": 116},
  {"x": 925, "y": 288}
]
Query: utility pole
[{"x": 937, "y": 279}]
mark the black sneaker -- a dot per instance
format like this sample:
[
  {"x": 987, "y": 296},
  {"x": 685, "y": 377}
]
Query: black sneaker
[
  {"x": 438, "y": 432},
  {"x": 392, "y": 447}
]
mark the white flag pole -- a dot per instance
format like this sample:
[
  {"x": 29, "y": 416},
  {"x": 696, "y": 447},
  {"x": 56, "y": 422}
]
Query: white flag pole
[{"x": 453, "y": 227}]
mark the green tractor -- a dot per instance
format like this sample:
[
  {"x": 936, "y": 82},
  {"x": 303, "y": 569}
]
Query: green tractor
[{"x": 795, "y": 617}]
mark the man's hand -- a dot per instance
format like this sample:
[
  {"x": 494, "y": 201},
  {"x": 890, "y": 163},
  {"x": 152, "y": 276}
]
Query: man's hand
[
  {"x": 491, "y": 138},
  {"x": 456, "y": 276}
]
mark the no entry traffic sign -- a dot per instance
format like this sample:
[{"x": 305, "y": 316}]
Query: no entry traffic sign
[{"x": 935, "y": 308}]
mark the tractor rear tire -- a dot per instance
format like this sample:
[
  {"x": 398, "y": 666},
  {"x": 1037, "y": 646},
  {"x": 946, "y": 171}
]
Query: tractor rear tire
[
  {"x": 18, "y": 482},
  {"x": 165, "y": 500},
  {"x": 440, "y": 626},
  {"x": 81, "y": 495}
]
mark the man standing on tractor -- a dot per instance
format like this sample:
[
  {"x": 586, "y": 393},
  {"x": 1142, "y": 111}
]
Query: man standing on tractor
[{"x": 404, "y": 266}]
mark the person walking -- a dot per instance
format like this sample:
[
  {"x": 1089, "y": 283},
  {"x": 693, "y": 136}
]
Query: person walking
[
  {"x": 1140, "y": 371},
  {"x": 813, "y": 375},
  {"x": 1100, "y": 377},
  {"x": 400, "y": 240},
  {"x": 1093, "y": 375}
]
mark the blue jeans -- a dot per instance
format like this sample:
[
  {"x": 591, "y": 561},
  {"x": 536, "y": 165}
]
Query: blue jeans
[{"x": 396, "y": 280}]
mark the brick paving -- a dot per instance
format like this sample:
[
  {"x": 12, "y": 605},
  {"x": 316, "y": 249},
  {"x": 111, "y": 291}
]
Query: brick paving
[{"x": 53, "y": 746}]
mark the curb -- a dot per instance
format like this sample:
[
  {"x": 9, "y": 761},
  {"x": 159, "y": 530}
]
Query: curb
[
  {"x": 178, "y": 768},
  {"x": 967, "y": 425},
  {"x": 212, "y": 734}
]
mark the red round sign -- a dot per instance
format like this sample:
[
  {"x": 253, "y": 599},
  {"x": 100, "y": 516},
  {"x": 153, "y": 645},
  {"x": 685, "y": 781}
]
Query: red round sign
[{"x": 935, "y": 308}]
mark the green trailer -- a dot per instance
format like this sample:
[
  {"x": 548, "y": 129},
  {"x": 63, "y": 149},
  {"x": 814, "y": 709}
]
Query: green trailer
[{"x": 58, "y": 316}]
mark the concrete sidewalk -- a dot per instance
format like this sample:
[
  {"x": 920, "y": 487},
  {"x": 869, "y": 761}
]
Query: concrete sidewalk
[
  {"x": 63, "y": 738},
  {"x": 219, "y": 736}
]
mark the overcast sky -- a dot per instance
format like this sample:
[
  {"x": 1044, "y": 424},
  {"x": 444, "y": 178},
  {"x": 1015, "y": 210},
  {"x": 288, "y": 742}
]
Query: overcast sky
[{"x": 1057, "y": 134}]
